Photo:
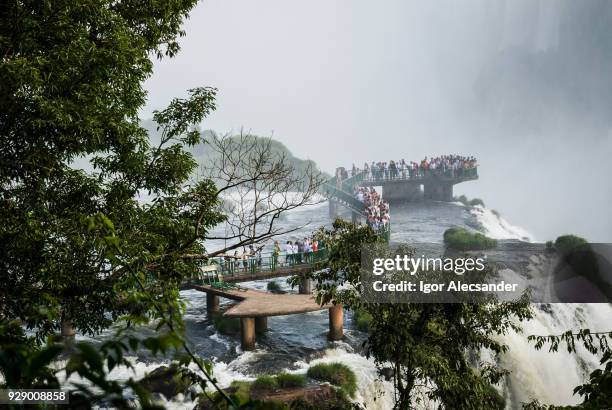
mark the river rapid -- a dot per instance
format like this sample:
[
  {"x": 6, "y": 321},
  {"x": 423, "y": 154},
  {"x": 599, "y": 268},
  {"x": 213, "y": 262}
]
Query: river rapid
[{"x": 295, "y": 342}]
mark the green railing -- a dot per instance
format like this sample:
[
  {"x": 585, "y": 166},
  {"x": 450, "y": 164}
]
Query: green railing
[
  {"x": 349, "y": 184},
  {"x": 400, "y": 175},
  {"x": 231, "y": 266},
  {"x": 348, "y": 199}
]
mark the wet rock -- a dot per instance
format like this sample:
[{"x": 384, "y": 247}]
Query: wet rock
[
  {"x": 386, "y": 373},
  {"x": 167, "y": 381}
]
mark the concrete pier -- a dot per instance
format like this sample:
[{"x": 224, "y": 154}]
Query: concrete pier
[
  {"x": 247, "y": 333},
  {"x": 336, "y": 321},
  {"x": 402, "y": 191},
  {"x": 438, "y": 191},
  {"x": 305, "y": 287},
  {"x": 212, "y": 303},
  {"x": 333, "y": 209},
  {"x": 261, "y": 324},
  {"x": 68, "y": 331}
]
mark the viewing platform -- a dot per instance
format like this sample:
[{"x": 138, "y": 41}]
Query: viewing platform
[{"x": 403, "y": 186}]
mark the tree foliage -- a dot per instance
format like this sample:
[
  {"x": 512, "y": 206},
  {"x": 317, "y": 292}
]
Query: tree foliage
[
  {"x": 462, "y": 239},
  {"x": 596, "y": 392},
  {"x": 94, "y": 220},
  {"x": 432, "y": 348}
]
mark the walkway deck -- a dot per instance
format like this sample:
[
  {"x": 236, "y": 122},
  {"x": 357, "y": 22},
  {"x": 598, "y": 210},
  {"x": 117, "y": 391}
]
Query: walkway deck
[{"x": 254, "y": 303}]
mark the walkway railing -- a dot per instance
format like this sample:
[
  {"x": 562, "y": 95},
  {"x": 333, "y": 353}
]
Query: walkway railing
[
  {"x": 346, "y": 198},
  {"x": 269, "y": 262},
  {"x": 422, "y": 174}
]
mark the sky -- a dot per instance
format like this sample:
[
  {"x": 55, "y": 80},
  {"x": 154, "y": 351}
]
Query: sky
[{"x": 524, "y": 85}]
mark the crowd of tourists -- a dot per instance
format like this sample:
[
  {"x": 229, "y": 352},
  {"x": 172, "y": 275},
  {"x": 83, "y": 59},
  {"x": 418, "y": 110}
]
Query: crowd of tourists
[
  {"x": 376, "y": 210},
  {"x": 251, "y": 258},
  {"x": 449, "y": 165},
  {"x": 297, "y": 252}
]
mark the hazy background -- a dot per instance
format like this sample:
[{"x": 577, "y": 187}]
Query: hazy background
[{"x": 525, "y": 85}]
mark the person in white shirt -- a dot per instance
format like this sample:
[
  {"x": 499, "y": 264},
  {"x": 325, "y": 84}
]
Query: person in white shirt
[{"x": 289, "y": 252}]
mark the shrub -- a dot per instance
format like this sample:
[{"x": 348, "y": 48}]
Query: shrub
[
  {"x": 227, "y": 325},
  {"x": 462, "y": 239},
  {"x": 463, "y": 199},
  {"x": 550, "y": 245},
  {"x": 476, "y": 201},
  {"x": 567, "y": 243},
  {"x": 264, "y": 383},
  {"x": 273, "y": 286},
  {"x": 287, "y": 380},
  {"x": 362, "y": 319},
  {"x": 337, "y": 374},
  {"x": 241, "y": 389},
  {"x": 579, "y": 256}
]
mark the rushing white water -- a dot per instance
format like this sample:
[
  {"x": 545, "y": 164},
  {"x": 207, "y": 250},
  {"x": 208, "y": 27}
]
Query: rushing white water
[
  {"x": 295, "y": 342},
  {"x": 548, "y": 377},
  {"x": 497, "y": 227}
]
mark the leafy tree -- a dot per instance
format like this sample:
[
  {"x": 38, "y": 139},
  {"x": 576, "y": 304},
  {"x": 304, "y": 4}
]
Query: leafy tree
[
  {"x": 597, "y": 390},
  {"x": 81, "y": 246},
  {"x": 98, "y": 225},
  {"x": 432, "y": 347}
]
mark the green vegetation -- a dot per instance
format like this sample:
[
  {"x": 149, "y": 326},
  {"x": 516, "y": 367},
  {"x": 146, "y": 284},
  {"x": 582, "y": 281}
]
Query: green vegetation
[
  {"x": 282, "y": 380},
  {"x": 227, "y": 325},
  {"x": 362, "y": 319},
  {"x": 462, "y": 239},
  {"x": 597, "y": 390},
  {"x": 550, "y": 245},
  {"x": 205, "y": 155},
  {"x": 288, "y": 380},
  {"x": 476, "y": 202},
  {"x": 469, "y": 202},
  {"x": 243, "y": 392},
  {"x": 241, "y": 388},
  {"x": 337, "y": 374},
  {"x": 264, "y": 382},
  {"x": 76, "y": 243},
  {"x": 567, "y": 243},
  {"x": 415, "y": 338},
  {"x": 168, "y": 381}
]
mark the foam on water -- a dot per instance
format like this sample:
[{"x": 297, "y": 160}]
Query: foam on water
[
  {"x": 372, "y": 391},
  {"x": 549, "y": 377},
  {"x": 546, "y": 376},
  {"x": 497, "y": 227}
]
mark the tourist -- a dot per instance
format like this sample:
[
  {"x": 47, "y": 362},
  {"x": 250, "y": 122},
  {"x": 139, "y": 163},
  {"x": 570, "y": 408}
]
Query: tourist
[{"x": 289, "y": 253}]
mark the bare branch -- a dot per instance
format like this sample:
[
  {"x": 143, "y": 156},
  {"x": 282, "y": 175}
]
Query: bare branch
[{"x": 258, "y": 183}]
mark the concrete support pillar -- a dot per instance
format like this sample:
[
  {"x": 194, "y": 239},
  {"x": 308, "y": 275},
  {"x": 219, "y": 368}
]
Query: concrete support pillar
[
  {"x": 447, "y": 192},
  {"x": 401, "y": 192},
  {"x": 261, "y": 324},
  {"x": 305, "y": 286},
  {"x": 212, "y": 303},
  {"x": 355, "y": 217},
  {"x": 438, "y": 191},
  {"x": 68, "y": 331},
  {"x": 336, "y": 321},
  {"x": 247, "y": 333},
  {"x": 333, "y": 208}
]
